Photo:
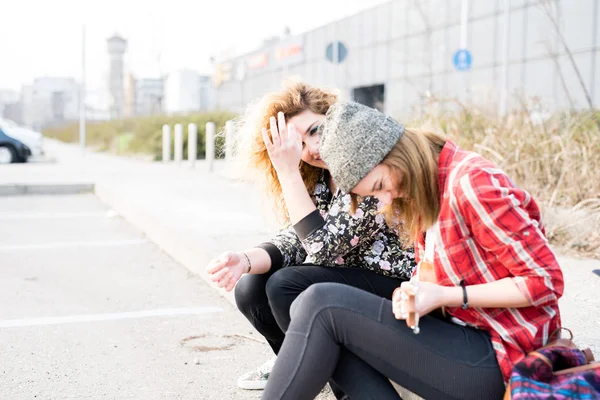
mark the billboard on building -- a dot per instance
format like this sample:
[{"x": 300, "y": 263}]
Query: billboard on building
[{"x": 290, "y": 52}]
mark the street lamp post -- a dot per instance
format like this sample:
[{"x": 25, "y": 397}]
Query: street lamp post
[{"x": 82, "y": 93}]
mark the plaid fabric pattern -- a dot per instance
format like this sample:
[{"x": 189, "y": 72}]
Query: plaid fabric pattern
[
  {"x": 489, "y": 229},
  {"x": 534, "y": 377}
]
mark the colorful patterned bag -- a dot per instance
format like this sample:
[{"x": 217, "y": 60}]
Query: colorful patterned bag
[{"x": 555, "y": 372}]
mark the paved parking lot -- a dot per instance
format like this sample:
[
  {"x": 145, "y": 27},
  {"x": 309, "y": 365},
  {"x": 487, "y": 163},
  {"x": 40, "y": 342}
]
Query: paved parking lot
[{"x": 90, "y": 309}]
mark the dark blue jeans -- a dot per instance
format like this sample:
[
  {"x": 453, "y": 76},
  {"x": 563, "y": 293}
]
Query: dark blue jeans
[{"x": 351, "y": 336}]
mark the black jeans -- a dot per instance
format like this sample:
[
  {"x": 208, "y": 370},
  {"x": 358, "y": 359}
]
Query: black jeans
[
  {"x": 352, "y": 336},
  {"x": 265, "y": 300}
]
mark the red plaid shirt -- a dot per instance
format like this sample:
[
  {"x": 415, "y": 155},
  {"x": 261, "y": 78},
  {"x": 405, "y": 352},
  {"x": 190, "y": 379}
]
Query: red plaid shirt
[{"x": 488, "y": 230}]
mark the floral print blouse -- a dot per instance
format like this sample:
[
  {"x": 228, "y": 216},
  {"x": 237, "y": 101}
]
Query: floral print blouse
[{"x": 331, "y": 236}]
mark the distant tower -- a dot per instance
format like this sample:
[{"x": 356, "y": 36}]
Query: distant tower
[{"x": 116, "y": 50}]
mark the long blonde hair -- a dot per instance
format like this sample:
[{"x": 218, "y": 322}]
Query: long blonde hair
[
  {"x": 250, "y": 153},
  {"x": 415, "y": 159}
]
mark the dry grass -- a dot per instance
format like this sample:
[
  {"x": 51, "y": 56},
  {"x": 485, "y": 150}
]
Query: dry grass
[
  {"x": 145, "y": 133},
  {"x": 556, "y": 158}
]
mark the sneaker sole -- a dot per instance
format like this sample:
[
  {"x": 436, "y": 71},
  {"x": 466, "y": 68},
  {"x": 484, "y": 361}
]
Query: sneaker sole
[{"x": 252, "y": 385}]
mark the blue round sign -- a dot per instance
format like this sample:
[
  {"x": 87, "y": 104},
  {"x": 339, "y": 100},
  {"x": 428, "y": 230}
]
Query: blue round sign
[
  {"x": 462, "y": 60},
  {"x": 342, "y": 52}
]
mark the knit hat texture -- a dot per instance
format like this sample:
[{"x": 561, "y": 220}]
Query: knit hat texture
[{"x": 355, "y": 138}]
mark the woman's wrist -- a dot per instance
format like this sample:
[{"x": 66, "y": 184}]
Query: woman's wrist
[
  {"x": 452, "y": 296},
  {"x": 246, "y": 259},
  {"x": 288, "y": 174},
  {"x": 260, "y": 260}
]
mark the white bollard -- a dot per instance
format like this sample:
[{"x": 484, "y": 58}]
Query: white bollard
[
  {"x": 228, "y": 140},
  {"x": 178, "y": 152},
  {"x": 166, "y": 131},
  {"x": 192, "y": 144},
  {"x": 210, "y": 145}
]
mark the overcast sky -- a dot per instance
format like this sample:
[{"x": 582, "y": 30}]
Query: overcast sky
[{"x": 43, "y": 37}]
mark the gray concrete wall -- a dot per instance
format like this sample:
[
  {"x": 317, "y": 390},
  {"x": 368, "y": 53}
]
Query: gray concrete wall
[{"x": 408, "y": 46}]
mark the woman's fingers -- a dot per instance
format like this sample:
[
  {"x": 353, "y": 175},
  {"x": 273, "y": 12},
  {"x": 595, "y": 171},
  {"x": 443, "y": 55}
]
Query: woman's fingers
[
  {"x": 217, "y": 276},
  {"x": 283, "y": 134},
  {"x": 293, "y": 135},
  {"x": 274, "y": 132},
  {"x": 404, "y": 304},
  {"x": 396, "y": 293},
  {"x": 216, "y": 264},
  {"x": 397, "y": 301},
  {"x": 267, "y": 140},
  {"x": 225, "y": 280},
  {"x": 230, "y": 285}
]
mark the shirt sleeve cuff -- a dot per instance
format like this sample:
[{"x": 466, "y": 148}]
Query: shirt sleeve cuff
[
  {"x": 543, "y": 295},
  {"x": 274, "y": 253},
  {"x": 523, "y": 288},
  {"x": 309, "y": 224}
]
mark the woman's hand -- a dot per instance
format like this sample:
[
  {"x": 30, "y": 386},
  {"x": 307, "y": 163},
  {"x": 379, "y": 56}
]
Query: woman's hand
[
  {"x": 227, "y": 269},
  {"x": 285, "y": 148},
  {"x": 427, "y": 297}
]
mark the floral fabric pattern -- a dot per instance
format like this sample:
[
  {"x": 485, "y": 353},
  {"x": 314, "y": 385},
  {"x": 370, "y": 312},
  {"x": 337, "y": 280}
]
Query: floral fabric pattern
[{"x": 337, "y": 238}]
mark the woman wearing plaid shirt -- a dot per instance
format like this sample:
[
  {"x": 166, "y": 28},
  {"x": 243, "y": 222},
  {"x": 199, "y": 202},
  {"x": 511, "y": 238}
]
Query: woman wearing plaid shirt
[{"x": 489, "y": 296}]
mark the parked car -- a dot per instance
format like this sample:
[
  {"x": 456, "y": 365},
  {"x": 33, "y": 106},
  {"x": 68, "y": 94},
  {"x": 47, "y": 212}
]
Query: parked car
[
  {"x": 33, "y": 140},
  {"x": 12, "y": 150}
]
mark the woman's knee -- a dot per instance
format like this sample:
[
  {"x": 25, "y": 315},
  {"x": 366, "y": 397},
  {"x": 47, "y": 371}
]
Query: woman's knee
[
  {"x": 283, "y": 283},
  {"x": 249, "y": 293},
  {"x": 314, "y": 298}
]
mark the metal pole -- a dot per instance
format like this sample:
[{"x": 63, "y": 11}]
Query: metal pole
[
  {"x": 503, "y": 105},
  {"x": 178, "y": 140},
  {"x": 210, "y": 145},
  {"x": 192, "y": 144},
  {"x": 335, "y": 56},
  {"x": 82, "y": 94},
  {"x": 593, "y": 68},
  {"x": 464, "y": 35},
  {"x": 464, "y": 21},
  {"x": 166, "y": 132}
]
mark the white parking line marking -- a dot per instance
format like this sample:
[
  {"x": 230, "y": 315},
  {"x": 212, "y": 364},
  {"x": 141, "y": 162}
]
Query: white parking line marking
[
  {"x": 62, "y": 245},
  {"x": 166, "y": 312},
  {"x": 15, "y": 216}
]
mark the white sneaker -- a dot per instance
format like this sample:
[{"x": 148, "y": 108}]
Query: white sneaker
[{"x": 257, "y": 379}]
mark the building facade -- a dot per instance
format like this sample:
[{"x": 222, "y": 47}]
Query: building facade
[
  {"x": 129, "y": 96},
  {"x": 10, "y": 105},
  {"x": 188, "y": 91},
  {"x": 50, "y": 101},
  {"x": 149, "y": 95},
  {"x": 116, "y": 47},
  {"x": 398, "y": 55}
]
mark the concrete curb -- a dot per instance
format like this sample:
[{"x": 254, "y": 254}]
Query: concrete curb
[
  {"x": 18, "y": 189},
  {"x": 184, "y": 250}
]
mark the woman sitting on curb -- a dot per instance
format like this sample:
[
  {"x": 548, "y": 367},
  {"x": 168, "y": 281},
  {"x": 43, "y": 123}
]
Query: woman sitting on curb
[
  {"x": 324, "y": 242},
  {"x": 484, "y": 262}
]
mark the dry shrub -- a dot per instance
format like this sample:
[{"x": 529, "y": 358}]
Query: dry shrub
[{"x": 555, "y": 157}]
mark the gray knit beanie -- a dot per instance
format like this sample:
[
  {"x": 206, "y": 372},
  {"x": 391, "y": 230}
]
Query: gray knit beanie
[{"x": 353, "y": 139}]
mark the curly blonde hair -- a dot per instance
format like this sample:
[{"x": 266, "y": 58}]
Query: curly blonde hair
[{"x": 250, "y": 153}]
